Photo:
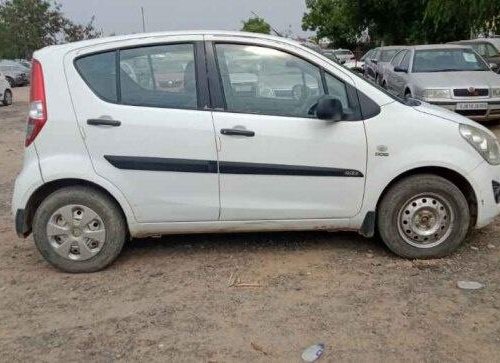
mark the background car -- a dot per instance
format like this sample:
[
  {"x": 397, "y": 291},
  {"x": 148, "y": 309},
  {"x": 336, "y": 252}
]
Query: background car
[
  {"x": 486, "y": 48},
  {"x": 330, "y": 54},
  {"x": 344, "y": 54},
  {"x": 16, "y": 74},
  {"x": 379, "y": 59},
  {"x": 5, "y": 91},
  {"x": 451, "y": 76}
]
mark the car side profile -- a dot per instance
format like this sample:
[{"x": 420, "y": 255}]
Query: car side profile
[
  {"x": 379, "y": 59},
  {"x": 5, "y": 91},
  {"x": 451, "y": 76},
  {"x": 196, "y": 132}
]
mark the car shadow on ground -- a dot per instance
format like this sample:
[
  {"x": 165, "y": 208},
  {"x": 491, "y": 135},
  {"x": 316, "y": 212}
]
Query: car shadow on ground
[{"x": 258, "y": 242}]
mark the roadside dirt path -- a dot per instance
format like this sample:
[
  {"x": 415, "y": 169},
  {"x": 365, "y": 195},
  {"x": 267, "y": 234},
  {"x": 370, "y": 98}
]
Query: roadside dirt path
[{"x": 169, "y": 299}]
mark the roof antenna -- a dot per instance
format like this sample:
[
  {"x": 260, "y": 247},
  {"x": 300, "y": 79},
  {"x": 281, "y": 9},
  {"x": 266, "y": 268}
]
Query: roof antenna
[{"x": 272, "y": 28}]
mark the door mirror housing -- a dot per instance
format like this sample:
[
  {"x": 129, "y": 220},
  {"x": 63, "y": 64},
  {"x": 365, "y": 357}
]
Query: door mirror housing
[
  {"x": 400, "y": 69},
  {"x": 374, "y": 61},
  {"x": 494, "y": 67},
  {"x": 329, "y": 108}
]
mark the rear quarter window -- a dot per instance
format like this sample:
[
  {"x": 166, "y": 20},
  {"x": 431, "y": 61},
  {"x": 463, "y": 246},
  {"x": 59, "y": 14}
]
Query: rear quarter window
[{"x": 99, "y": 72}]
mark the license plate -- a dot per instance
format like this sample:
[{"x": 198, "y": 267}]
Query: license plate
[{"x": 472, "y": 106}]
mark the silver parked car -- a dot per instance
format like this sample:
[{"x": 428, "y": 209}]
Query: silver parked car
[
  {"x": 375, "y": 66},
  {"x": 452, "y": 76}
]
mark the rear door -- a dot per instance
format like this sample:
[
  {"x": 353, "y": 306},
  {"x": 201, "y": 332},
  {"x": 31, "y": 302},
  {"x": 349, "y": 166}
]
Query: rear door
[
  {"x": 277, "y": 160},
  {"x": 141, "y": 109}
]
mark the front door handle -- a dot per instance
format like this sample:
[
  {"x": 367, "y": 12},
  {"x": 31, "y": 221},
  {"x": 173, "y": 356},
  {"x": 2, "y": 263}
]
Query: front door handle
[
  {"x": 237, "y": 132},
  {"x": 103, "y": 121}
]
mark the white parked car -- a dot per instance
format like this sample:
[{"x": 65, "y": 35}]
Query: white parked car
[
  {"x": 344, "y": 55},
  {"x": 304, "y": 144},
  {"x": 5, "y": 91}
]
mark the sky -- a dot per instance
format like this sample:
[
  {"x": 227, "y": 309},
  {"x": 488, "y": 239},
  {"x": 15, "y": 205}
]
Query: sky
[{"x": 124, "y": 16}]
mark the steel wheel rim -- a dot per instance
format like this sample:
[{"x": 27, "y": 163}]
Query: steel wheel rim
[
  {"x": 8, "y": 98},
  {"x": 425, "y": 220},
  {"x": 76, "y": 232}
]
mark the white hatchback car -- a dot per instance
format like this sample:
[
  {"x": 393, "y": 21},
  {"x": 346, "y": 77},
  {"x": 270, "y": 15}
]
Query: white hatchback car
[
  {"x": 5, "y": 91},
  {"x": 190, "y": 132}
]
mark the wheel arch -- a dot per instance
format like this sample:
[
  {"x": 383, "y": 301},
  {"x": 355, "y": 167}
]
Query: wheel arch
[
  {"x": 451, "y": 175},
  {"x": 40, "y": 194}
]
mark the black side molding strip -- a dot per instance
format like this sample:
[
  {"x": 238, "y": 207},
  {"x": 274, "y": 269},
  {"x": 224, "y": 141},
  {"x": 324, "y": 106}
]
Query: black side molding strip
[
  {"x": 225, "y": 167},
  {"x": 230, "y": 167},
  {"x": 162, "y": 164}
]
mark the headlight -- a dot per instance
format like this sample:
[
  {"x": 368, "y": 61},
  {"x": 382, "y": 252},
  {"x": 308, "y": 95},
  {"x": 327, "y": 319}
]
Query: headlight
[
  {"x": 437, "y": 93},
  {"x": 495, "y": 92},
  {"x": 484, "y": 143}
]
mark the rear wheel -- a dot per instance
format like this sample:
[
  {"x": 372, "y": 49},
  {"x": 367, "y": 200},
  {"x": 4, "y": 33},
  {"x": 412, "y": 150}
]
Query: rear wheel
[
  {"x": 7, "y": 98},
  {"x": 79, "y": 229},
  {"x": 423, "y": 216}
]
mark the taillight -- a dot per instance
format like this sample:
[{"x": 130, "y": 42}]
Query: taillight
[{"x": 37, "y": 116}]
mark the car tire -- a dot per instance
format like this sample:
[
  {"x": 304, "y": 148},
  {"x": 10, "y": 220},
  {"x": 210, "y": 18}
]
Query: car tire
[
  {"x": 7, "y": 98},
  {"x": 423, "y": 216},
  {"x": 408, "y": 94},
  {"x": 384, "y": 85},
  {"x": 79, "y": 229}
]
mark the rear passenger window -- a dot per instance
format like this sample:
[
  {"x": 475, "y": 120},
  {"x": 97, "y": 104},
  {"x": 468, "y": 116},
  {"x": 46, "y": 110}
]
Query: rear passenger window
[
  {"x": 158, "y": 76},
  {"x": 99, "y": 72}
]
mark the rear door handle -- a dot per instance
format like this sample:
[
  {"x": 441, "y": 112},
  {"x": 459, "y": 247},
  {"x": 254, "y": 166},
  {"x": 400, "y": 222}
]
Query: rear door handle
[
  {"x": 237, "y": 132},
  {"x": 103, "y": 121}
]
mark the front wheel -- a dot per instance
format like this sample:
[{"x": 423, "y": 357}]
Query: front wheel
[
  {"x": 423, "y": 216},
  {"x": 79, "y": 229},
  {"x": 7, "y": 98}
]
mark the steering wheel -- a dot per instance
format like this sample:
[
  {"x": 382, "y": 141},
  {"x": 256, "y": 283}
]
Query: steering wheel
[
  {"x": 300, "y": 92},
  {"x": 309, "y": 105}
]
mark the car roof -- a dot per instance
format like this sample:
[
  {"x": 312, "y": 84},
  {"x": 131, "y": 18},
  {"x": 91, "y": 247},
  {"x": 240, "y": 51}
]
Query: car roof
[
  {"x": 118, "y": 38},
  {"x": 437, "y": 46},
  {"x": 389, "y": 47}
]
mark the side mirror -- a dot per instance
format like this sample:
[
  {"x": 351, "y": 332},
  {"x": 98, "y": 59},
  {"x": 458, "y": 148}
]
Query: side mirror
[
  {"x": 494, "y": 67},
  {"x": 374, "y": 61},
  {"x": 329, "y": 108},
  {"x": 400, "y": 69}
]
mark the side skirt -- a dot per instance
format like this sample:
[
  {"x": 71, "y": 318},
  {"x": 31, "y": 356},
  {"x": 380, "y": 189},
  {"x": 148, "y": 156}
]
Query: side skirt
[{"x": 152, "y": 229}]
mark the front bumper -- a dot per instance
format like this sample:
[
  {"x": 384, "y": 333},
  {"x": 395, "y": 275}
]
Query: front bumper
[
  {"x": 485, "y": 179},
  {"x": 491, "y": 113}
]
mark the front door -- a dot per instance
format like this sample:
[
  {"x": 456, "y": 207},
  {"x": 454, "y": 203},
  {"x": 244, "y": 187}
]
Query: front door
[
  {"x": 140, "y": 109},
  {"x": 277, "y": 160}
]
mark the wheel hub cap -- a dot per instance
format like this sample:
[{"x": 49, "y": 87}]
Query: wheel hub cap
[
  {"x": 425, "y": 221},
  {"x": 76, "y": 232}
]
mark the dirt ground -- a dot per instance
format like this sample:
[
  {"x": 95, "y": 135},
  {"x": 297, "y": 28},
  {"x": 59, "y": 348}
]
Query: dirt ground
[{"x": 169, "y": 299}]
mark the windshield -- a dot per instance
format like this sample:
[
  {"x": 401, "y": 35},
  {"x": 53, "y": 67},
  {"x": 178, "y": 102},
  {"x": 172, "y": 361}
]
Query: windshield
[
  {"x": 386, "y": 55},
  {"x": 447, "y": 60}
]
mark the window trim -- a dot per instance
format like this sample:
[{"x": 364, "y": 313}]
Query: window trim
[
  {"x": 216, "y": 85},
  {"x": 199, "y": 57}
]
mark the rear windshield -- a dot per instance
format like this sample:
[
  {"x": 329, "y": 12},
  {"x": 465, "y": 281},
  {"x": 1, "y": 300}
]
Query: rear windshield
[{"x": 447, "y": 60}]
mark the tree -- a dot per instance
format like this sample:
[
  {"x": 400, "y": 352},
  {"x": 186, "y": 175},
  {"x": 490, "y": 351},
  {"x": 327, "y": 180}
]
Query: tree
[
  {"x": 256, "y": 25},
  {"x": 27, "y": 25},
  {"x": 400, "y": 21}
]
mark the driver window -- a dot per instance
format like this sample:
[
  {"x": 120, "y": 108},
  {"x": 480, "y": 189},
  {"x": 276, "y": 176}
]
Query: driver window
[
  {"x": 267, "y": 81},
  {"x": 406, "y": 61}
]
